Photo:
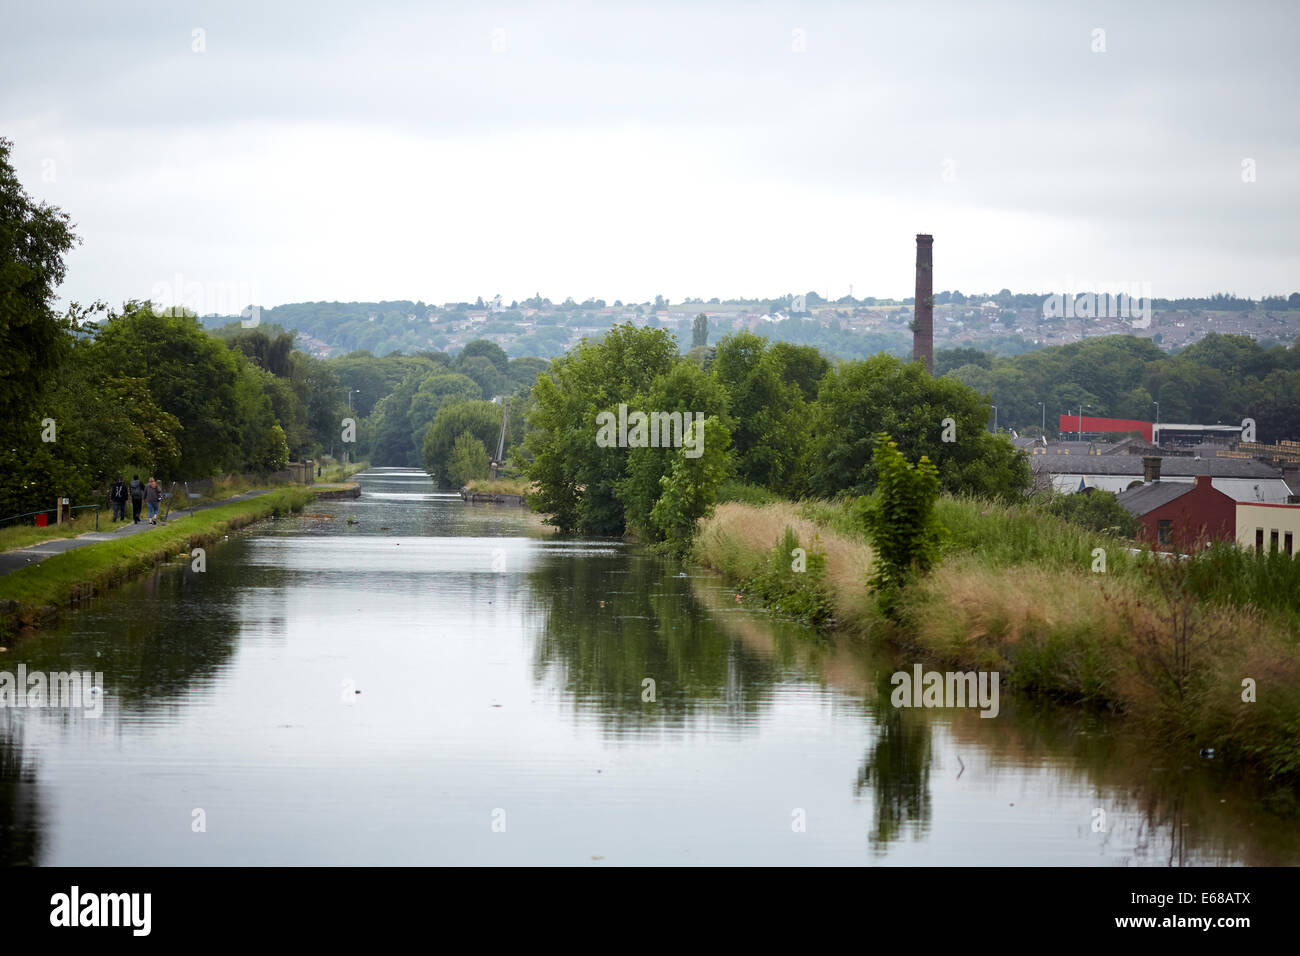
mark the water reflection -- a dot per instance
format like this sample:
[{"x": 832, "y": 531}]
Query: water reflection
[
  {"x": 21, "y": 822},
  {"x": 503, "y": 667},
  {"x": 616, "y": 619},
  {"x": 896, "y": 773}
]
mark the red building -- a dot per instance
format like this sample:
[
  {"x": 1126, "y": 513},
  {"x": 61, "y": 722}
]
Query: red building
[
  {"x": 1181, "y": 515},
  {"x": 1097, "y": 426}
]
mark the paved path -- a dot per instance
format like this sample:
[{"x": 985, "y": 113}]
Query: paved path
[{"x": 11, "y": 561}]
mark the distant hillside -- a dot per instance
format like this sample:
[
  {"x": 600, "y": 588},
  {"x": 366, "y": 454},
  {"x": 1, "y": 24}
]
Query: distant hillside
[{"x": 1005, "y": 324}]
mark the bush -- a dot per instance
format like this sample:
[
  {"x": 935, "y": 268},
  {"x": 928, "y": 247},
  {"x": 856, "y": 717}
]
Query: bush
[
  {"x": 900, "y": 520},
  {"x": 1095, "y": 510},
  {"x": 794, "y": 583}
]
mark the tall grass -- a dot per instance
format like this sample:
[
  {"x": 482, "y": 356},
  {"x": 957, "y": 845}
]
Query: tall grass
[
  {"x": 1172, "y": 643},
  {"x": 739, "y": 542}
]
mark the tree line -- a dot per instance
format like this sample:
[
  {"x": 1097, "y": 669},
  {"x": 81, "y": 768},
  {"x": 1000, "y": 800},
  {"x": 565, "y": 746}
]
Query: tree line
[{"x": 1221, "y": 378}]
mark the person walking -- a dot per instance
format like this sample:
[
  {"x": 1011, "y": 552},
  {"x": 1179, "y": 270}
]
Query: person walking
[
  {"x": 117, "y": 495},
  {"x": 152, "y": 496},
  {"x": 136, "y": 490}
]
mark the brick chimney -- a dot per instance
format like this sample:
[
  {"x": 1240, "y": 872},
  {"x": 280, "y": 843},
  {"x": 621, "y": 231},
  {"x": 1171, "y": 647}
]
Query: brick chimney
[
  {"x": 923, "y": 309},
  {"x": 1151, "y": 468}
]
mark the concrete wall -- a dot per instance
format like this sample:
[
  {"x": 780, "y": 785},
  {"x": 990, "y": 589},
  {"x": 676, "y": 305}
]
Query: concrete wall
[{"x": 1254, "y": 519}]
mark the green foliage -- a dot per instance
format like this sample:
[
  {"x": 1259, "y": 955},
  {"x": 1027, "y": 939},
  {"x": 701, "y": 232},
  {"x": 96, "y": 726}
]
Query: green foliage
[
  {"x": 437, "y": 390},
  {"x": 684, "y": 387},
  {"x": 746, "y": 493},
  {"x": 861, "y": 399},
  {"x": 900, "y": 520},
  {"x": 481, "y": 420},
  {"x": 791, "y": 585},
  {"x": 800, "y": 365},
  {"x": 468, "y": 460},
  {"x": 34, "y": 238},
  {"x": 690, "y": 488},
  {"x": 577, "y": 479},
  {"x": 1095, "y": 510},
  {"x": 1228, "y": 575},
  {"x": 191, "y": 375},
  {"x": 772, "y": 422},
  {"x": 700, "y": 332}
]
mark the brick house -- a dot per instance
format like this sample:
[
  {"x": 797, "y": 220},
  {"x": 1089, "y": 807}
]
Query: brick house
[{"x": 1181, "y": 515}]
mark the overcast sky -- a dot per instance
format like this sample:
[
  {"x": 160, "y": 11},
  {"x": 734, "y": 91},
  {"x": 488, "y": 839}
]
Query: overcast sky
[{"x": 443, "y": 151}]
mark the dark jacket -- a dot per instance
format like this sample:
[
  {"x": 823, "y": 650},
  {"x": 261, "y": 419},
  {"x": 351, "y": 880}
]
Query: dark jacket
[
  {"x": 153, "y": 492},
  {"x": 137, "y": 489},
  {"x": 118, "y": 492}
]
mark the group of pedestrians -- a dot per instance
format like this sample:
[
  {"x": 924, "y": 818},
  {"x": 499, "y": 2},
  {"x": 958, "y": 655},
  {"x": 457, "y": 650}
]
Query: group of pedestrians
[{"x": 139, "y": 493}]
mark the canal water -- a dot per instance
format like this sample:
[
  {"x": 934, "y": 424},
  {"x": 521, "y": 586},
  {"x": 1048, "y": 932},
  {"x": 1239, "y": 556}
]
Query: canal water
[{"x": 407, "y": 679}]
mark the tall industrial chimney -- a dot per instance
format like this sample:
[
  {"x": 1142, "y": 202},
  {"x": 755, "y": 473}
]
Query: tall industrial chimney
[{"x": 923, "y": 310}]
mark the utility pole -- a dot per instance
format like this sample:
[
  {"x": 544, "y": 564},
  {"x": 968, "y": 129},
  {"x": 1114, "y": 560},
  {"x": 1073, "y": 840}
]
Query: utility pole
[
  {"x": 995, "y": 419},
  {"x": 1043, "y": 406}
]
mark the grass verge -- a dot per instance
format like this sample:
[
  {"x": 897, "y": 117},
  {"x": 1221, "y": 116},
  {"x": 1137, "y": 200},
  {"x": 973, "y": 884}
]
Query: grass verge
[{"x": 34, "y": 595}]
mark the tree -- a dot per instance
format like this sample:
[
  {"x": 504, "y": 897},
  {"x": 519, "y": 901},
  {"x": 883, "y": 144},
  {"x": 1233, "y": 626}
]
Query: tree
[
  {"x": 34, "y": 339},
  {"x": 489, "y": 379},
  {"x": 690, "y": 488},
  {"x": 771, "y": 429},
  {"x": 434, "y": 392},
  {"x": 482, "y": 348},
  {"x": 684, "y": 388},
  {"x": 468, "y": 460},
  {"x": 480, "y": 419},
  {"x": 939, "y": 418},
  {"x": 1095, "y": 510},
  {"x": 700, "y": 331},
  {"x": 900, "y": 520},
  {"x": 801, "y": 365},
  {"x": 576, "y": 478},
  {"x": 191, "y": 375}
]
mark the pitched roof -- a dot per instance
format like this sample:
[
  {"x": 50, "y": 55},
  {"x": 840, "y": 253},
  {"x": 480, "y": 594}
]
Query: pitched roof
[
  {"x": 1169, "y": 467},
  {"x": 1154, "y": 494}
]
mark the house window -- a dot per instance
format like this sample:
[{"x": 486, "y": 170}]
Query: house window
[
  {"x": 1259, "y": 539},
  {"x": 1272, "y": 541},
  {"x": 1164, "y": 531},
  {"x": 1288, "y": 543}
]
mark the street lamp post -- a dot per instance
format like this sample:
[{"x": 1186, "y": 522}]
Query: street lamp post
[
  {"x": 995, "y": 419},
  {"x": 1043, "y": 406},
  {"x": 1156, "y": 434}
]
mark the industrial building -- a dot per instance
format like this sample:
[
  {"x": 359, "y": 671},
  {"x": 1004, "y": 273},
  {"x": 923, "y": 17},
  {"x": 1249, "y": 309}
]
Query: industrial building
[
  {"x": 1239, "y": 479},
  {"x": 1268, "y": 527}
]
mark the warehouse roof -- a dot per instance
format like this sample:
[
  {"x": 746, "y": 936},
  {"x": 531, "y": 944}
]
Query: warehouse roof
[{"x": 1170, "y": 467}]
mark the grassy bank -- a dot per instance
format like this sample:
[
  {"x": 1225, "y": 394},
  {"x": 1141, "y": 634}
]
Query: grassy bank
[
  {"x": 499, "y": 486},
  {"x": 1173, "y": 645},
  {"x": 26, "y": 535},
  {"x": 34, "y": 595},
  {"x": 230, "y": 485}
]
